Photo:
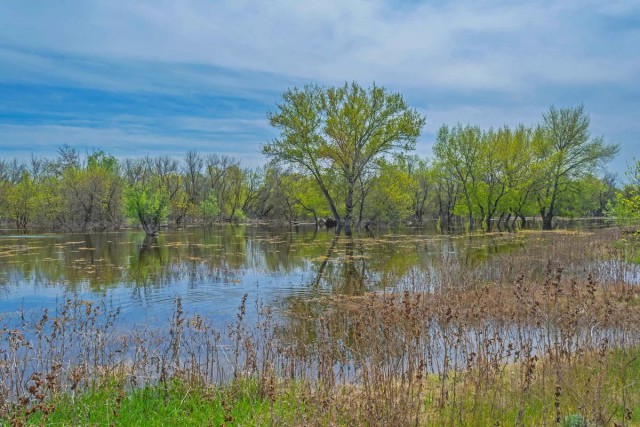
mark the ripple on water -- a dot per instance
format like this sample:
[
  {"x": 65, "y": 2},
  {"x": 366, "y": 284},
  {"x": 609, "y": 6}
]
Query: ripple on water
[{"x": 211, "y": 269}]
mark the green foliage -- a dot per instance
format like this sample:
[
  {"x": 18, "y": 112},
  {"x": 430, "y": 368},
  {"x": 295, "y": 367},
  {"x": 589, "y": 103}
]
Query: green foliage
[
  {"x": 101, "y": 160},
  {"x": 173, "y": 404},
  {"x": 392, "y": 192},
  {"x": 147, "y": 203},
  {"x": 346, "y": 149},
  {"x": 626, "y": 205},
  {"x": 92, "y": 196},
  {"x": 492, "y": 168},
  {"x": 209, "y": 207},
  {"x": 239, "y": 215},
  {"x": 22, "y": 201},
  {"x": 458, "y": 151},
  {"x": 343, "y": 128},
  {"x": 589, "y": 195},
  {"x": 574, "y": 420},
  {"x": 517, "y": 172},
  {"x": 302, "y": 197},
  {"x": 52, "y": 207},
  {"x": 423, "y": 184},
  {"x": 233, "y": 193},
  {"x": 565, "y": 154},
  {"x": 627, "y": 202}
]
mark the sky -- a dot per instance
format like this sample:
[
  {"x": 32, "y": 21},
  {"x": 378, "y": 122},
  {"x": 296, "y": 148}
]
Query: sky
[{"x": 155, "y": 77}]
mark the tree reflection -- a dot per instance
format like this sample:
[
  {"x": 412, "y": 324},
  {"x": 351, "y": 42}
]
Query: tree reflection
[{"x": 341, "y": 263}]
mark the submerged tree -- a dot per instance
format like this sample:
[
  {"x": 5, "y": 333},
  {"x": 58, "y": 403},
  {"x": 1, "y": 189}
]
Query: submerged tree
[
  {"x": 566, "y": 153},
  {"x": 92, "y": 195},
  {"x": 458, "y": 152},
  {"x": 345, "y": 128},
  {"x": 147, "y": 198},
  {"x": 147, "y": 204}
]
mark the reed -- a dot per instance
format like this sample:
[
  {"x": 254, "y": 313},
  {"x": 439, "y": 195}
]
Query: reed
[{"x": 544, "y": 340}]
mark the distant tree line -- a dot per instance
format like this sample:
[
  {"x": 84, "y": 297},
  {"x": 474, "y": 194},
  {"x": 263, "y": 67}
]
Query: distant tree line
[
  {"x": 343, "y": 154},
  {"x": 550, "y": 169},
  {"x": 626, "y": 204}
]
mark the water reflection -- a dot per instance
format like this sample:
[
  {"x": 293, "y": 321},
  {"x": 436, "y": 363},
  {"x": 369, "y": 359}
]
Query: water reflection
[{"x": 211, "y": 268}]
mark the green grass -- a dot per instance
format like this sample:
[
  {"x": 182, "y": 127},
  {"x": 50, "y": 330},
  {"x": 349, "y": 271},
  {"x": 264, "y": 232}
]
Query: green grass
[
  {"x": 173, "y": 405},
  {"x": 242, "y": 403},
  {"x": 603, "y": 391}
]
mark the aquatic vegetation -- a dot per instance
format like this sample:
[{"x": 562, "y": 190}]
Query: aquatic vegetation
[{"x": 541, "y": 334}]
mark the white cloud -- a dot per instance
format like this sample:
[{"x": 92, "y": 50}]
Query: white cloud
[
  {"x": 461, "y": 45},
  {"x": 487, "y": 62}
]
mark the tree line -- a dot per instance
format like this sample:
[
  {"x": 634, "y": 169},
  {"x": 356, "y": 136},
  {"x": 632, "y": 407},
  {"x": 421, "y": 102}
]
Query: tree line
[{"x": 343, "y": 156}]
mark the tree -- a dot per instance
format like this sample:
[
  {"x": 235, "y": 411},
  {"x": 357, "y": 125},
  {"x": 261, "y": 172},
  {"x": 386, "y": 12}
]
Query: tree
[
  {"x": 589, "y": 197},
  {"x": 22, "y": 201},
  {"x": 458, "y": 154},
  {"x": 492, "y": 183},
  {"x": 290, "y": 196},
  {"x": 191, "y": 196},
  {"x": 566, "y": 153},
  {"x": 68, "y": 158},
  {"x": 93, "y": 195},
  {"x": 392, "y": 192},
  {"x": 148, "y": 204},
  {"x": 232, "y": 193},
  {"x": 447, "y": 194},
  {"x": 345, "y": 128},
  {"x": 522, "y": 174},
  {"x": 423, "y": 185},
  {"x": 303, "y": 196},
  {"x": 627, "y": 201},
  {"x": 147, "y": 196},
  {"x": 209, "y": 208}
]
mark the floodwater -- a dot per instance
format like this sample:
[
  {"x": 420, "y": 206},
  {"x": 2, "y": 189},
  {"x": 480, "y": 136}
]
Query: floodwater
[{"x": 210, "y": 269}]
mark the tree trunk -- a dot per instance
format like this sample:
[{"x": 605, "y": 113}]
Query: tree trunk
[
  {"x": 327, "y": 196},
  {"x": 348, "y": 204},
  {"x": 361, "y": 210},
  {"x": 149, "y": 225}
]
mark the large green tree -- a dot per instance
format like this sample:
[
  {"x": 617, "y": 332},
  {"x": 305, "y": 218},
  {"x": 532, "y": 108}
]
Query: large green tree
[
  {"x": 566, "y": 153},
  {"x": 346, "y": 128}
]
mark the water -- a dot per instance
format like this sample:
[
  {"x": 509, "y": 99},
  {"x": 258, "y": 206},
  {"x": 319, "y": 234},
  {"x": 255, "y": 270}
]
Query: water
[
  {"x": 210, "y": 269},
  {"x": 303, "y": 274}
]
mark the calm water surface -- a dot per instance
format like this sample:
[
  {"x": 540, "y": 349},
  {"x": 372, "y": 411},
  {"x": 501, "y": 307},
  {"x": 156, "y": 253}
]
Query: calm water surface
[{"x": 210, "y": 269}]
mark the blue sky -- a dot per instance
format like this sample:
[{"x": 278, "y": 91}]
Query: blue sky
[{"x": 166, "y": 76}]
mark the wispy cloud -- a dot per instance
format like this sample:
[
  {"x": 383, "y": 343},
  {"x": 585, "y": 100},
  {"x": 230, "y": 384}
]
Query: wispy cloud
[
  {"x": 127, "y": 141},
  {"x": 191, "y": 69}
]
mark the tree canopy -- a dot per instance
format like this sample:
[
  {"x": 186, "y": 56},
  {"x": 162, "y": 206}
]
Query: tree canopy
[
  {"x": 344, "y": 128},
  {"x": 566, "y": 153}
]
